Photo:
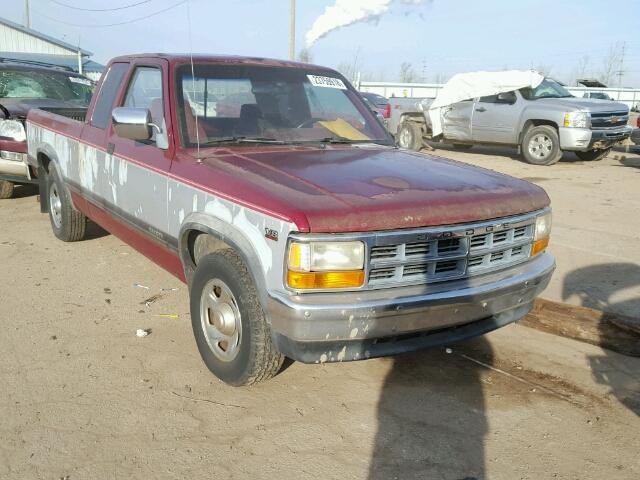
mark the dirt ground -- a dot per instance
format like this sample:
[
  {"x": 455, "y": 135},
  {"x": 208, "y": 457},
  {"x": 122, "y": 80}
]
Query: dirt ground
[{"x": 83, "y": 398}]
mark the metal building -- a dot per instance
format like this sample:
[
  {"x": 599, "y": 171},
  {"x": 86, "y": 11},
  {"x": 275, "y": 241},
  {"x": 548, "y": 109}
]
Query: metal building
[{"x": 23, "y": 43}]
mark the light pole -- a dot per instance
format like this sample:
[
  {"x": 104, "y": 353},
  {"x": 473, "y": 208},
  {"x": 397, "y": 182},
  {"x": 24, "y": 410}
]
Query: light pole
[
  {"x": 292, "y": 30},
  {"x": 27, "y": 16}
]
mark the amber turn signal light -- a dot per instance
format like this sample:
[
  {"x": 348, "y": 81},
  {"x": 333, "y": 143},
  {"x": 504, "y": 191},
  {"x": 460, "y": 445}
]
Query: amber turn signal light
[
  {"x": 325, "y": 280},
  {"x": 539, "y": 246}
]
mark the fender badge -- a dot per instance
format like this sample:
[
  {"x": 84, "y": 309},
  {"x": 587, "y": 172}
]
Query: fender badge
[{"x": 271, "y": 234}]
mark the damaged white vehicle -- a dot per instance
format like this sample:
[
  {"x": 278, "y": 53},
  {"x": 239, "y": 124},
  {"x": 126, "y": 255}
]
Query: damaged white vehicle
[{"x": 518, "y": 108}]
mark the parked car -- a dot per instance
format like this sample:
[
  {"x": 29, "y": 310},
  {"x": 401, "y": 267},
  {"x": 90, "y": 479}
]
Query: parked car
[
  {"x": 542, "y": 121},
  {"x": 635, "y": 134},
  {"x": 380, "y": 103},
  {"x": 375, "y": 110},
  {"x": 597, "y": 96},
  {"x": 23, "y": 86},
  {"x": 299, "y": 233}
]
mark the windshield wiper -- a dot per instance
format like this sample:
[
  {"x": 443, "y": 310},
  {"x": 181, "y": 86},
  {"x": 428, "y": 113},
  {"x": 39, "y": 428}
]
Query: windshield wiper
[{"x": 242, "y": 139}]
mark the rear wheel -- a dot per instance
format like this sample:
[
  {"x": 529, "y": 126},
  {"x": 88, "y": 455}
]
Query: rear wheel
[
  {"x": 541, "y": 145},
  {"x": 593, "y": 155},
  {"x": 67, "y": 223},
  {"x": 410, "y": 136},
  {"x": 6, "y": 189},
  {"x": 228, "y": 322}
]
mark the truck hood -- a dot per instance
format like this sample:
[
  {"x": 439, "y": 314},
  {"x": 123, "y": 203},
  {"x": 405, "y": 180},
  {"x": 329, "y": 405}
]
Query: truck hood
[
  {"x": 19, "y": 107},
  {"x": 592, "y": 104},
  {"x": 355, "y": 189}
]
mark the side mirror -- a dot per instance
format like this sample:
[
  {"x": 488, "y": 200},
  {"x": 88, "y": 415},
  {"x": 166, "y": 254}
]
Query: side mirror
[
  {"x": 133, "y": 123},
  {"x": 508, "y": 97}
]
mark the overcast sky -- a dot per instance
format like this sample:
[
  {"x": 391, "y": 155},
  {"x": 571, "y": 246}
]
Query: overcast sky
[{"x": 439, "y": 37}]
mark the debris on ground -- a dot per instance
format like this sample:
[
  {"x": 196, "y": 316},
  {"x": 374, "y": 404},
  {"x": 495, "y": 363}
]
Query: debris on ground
[
  {"x": 168, "y": 315},
  {"x": 169, "y": 289},
  {"x": 137, "y": 285},
  {"x": 152, "y": 299},
  {"x": 141, "y": 332}
]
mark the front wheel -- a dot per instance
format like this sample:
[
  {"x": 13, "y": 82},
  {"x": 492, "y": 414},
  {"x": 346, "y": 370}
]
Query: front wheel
[
  {"x": 410, "y": 136},
  {"x": 593, "y": 155},
  {"x": 541, "y": 145},
  {"x": 6, "y": 189},
  {"x": 228, "y": 322},
  {"x": 67, "y": 223}
]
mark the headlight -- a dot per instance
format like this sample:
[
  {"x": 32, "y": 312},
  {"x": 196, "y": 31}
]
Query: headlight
[
  {"x": 541, "y": 234},
  {"x": 12, "y": 129},
  {"x": 323, "y": 265},
  {"x": 577, "y": 120}
]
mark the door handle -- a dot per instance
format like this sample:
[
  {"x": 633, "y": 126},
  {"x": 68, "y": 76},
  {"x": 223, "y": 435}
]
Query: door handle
[
  {"x": 110, "y": 148},
  {"x": 481, "y": 109}
]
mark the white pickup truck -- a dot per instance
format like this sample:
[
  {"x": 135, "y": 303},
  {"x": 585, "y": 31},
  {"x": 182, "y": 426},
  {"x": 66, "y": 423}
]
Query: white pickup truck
[{"x": 542, "y": 121}]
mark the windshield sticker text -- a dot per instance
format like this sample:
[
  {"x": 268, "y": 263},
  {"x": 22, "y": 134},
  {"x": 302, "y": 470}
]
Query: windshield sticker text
[
  {"x": 81, "y": 81},
  {"x": 327, "y": 82}
]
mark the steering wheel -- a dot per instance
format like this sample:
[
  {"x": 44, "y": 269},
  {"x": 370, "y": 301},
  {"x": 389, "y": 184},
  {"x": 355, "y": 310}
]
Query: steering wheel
[{"x": 309, "y": 122}]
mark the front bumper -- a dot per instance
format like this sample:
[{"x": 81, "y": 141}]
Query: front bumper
[
  {"x": 321, "y": 327},
  {"x": 13, "y": 161},
  {"x": 583, "y": 139}
]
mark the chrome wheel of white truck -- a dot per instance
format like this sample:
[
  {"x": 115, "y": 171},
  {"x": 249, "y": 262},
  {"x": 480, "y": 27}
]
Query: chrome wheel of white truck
[
  {"x": 541, "y": 145},
  {"x": 409, "y": 136},
  {"x": 229, "y": 325}
]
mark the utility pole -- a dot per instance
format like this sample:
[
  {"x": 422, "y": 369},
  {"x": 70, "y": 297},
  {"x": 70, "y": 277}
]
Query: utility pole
[
  {"x": 292, "y": 30},
  {"x": 27, "y": 17},
  {"x": 621, "y": 71}
]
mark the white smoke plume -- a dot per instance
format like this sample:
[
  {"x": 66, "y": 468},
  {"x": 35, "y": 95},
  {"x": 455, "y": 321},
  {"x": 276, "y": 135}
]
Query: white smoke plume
[{"x": 348, "y": 12}]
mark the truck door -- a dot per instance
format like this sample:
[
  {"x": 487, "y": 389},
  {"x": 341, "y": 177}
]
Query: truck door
[
  {"x": 137, "y": 169},
  {"x": 456, "y": 121},
  {"x": 495, "y": 118}
]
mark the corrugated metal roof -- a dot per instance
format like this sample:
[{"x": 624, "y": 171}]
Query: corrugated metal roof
[
  {"x": 69, "y": 61},
  {"x": 42, "y": 36}
]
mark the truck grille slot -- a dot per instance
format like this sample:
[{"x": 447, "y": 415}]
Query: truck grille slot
[
  {"x": 458, "y": 255},
  {"x": 420, "y": 248},
  {"x": 384, "y": 252}
]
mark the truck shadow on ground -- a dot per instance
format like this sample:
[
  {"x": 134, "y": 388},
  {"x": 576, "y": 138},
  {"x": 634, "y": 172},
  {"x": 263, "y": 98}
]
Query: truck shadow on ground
[
  {"x": 618, "y": 372},
  {"x": 431, "y": 417},
  {"x": 490, "y": 150},
  {"x": 25, "y": 190}
]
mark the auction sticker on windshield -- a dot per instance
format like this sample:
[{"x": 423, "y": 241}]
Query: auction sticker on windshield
[
  {"x": 82, "y": 81},
  {"x": 327, "y": 82}
]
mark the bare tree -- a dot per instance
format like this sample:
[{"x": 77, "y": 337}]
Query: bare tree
[
  {"x": 581, "y": 69},
  {"x": 610, "y": 62},
  {"x": 407, "y": 73},
  {"x": 351, "y": 68}
]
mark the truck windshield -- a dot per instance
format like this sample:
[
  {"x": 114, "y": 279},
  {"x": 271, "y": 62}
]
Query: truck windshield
[
  {"x": 249, "y": 104},
  {"x": 548, "y": 88},
  {"x": 33, "y": 84}
]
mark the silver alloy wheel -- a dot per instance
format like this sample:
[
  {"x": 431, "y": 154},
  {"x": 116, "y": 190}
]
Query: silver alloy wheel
[
  {"x": 55, "y": 205},
  {"x": 220, "y": 320},
  {"x": 404, "y": 138},
  {"x": 540, "y": 146}
]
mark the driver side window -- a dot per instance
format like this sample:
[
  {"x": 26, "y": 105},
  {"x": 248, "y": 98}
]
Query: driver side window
[
  {"x": 145, "y": 91},
  {"x": 505, "y": 97}
]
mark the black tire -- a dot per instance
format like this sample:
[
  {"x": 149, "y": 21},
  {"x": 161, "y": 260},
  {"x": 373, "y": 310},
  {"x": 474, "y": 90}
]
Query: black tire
[
  {"x": 67, "y": 223},
  {"x": 409, "y": 136},
  {"x": 461, "y": 146},
  {"x": 593, "y": 155},
  {"x": 538, "y": 136},
  {"x": 6, "y": 189},
  {"x": 256, "y": 358}
]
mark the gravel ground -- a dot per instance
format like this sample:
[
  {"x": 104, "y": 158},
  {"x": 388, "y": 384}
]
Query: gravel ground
[{"x": 84, "y": 398}]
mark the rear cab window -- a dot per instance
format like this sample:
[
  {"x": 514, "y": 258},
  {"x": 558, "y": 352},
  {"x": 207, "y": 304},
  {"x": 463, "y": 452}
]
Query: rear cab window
[{"x": 107, "y": 95}]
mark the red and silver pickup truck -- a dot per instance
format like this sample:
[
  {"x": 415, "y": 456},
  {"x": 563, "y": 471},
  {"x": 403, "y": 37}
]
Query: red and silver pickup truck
[{"x": 274, "y": 192}]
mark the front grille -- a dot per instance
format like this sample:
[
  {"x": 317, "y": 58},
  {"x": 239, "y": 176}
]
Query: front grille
[
  {"x": 458, "y": 253},
  {"x": 606, "y": 120}
]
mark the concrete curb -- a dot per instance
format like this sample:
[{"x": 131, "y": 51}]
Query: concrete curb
[{"x": 607, "y": 330}]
